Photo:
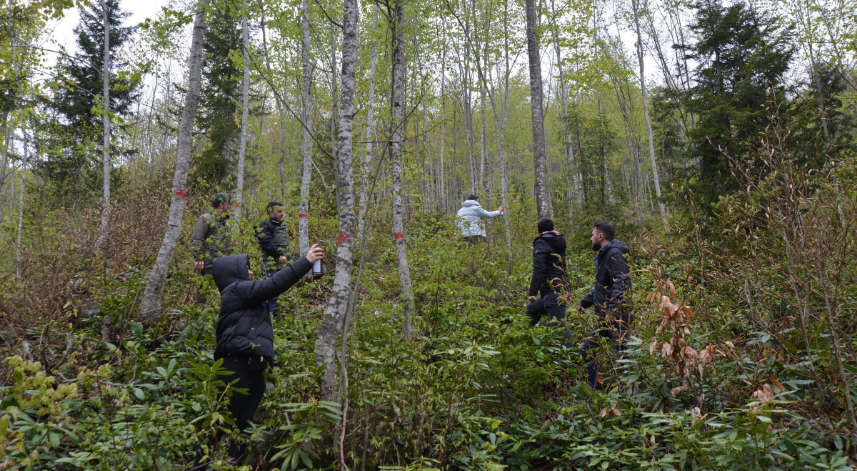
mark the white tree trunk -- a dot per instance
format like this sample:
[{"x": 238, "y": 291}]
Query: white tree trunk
[
  {"x": 657, "y": 180},
  {"x": 540, "y": 158},
  {"x": 101, "y": 242},
  {"x": 397, "y": 147},
  {"x": 17, "y": 67},
  {"x": 306, "y": 117},
  {"x": 150, "y": 306},
  {"x": 370, "y": 123},
  {"x": 331, "y": 326},
  {"x": 245, "y": 103},
  {"x": 569, "y": 153}
]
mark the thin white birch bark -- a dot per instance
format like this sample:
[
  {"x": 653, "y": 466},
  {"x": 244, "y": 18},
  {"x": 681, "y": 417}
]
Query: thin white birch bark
[
  {"x": 331, "y": 326},
  {"x": 569, "y": 153},
  {"x": 397, "y": 148},
  {"x": 656, "y": 179},
  {"x": 245, "y": 103},
  {"x": 370, "y": 123},
  {"x": 150, "y": 306},
  {"x": 101, "y": 242},
  {"x": 17, "y": 67},
  {"x": 306, "y": 117}
]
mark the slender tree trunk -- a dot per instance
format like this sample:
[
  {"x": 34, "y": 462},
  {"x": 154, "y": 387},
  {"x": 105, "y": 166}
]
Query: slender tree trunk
[
  {"x": 397, "y": 147},
  {"x": 306, "y": 117},
  {"x": 443, "y": 193},
  {"x": 540, "y": 159},
  {"x": 245, "y": 103},
  {"x": 370, "y": 123},
  {"x": 501, "y": 131},
  {"x": 655, "y": 177},
  {"x": 331, "y": 326},
  {"x": 4, "y": 170},
  {"x": 101, "y": 242},
  {"x": 150, "y": 306},
  {"x": 569, "y": 152},
  {"x": 17, "y": 68},
  {"x": 280, "y": 112}
]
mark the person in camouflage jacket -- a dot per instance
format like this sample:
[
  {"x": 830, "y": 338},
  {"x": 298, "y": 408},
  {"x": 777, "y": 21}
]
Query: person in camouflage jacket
[{"x": 211, "y": 238}]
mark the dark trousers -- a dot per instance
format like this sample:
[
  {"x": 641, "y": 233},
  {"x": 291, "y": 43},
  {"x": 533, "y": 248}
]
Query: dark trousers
[
  {"x": 250, "y": 373},
  {"x": 476, "y": 239},
  {"x": 549, "y": 304},
  {"x": 200, "y": 299},
  {"x": 272, "y": 303},
  {"x": 614, "y": 329}
]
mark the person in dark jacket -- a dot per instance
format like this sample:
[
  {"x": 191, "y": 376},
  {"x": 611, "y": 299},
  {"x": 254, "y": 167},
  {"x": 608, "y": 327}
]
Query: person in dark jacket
[
  {"x": 245, "y": 336},
  {"x": 274, "y": 242},
  {"x": 611, "y": 295},
  {"x": 549, "y": 276}
]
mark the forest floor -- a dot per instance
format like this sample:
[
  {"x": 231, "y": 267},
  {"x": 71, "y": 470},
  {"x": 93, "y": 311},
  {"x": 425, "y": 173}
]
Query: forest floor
[{"x": 474, "y": 388}]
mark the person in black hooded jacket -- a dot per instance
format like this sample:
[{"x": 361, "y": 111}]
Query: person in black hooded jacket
[
  {"x": 611, "y": 295},
  {"x": 245, "y": 336},
  {"x": 549, "y": 277}
]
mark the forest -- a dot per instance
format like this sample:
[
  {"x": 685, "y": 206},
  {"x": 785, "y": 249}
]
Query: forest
[{"x": 342, "y": 146}]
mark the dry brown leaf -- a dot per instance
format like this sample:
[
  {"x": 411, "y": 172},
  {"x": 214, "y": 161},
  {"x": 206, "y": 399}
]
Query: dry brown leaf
[
  {"x": 615, "y": 411},
  {"x": 672, "y": 288},
  {"x": 653, "y": 347},
  {"x": 729, "y": 344},
  {"x": 666, "y": 350},
  {"x": 603, "y": 413},
  {"x": 599, "y": 379},
  {"x": 777, "y": 384},
  {"x": 687, "y": 311}
]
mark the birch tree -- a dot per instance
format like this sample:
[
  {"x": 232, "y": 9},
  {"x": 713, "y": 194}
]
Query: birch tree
[
  {"x": 540, "y": 157},
  {"x": 369, "y": 134},
  {"x": 306, "y": 117},
  {"x": 331, "y": 326},
  {"x": 105, "y": 211},
  {"x": 657, "y": 182},
  {"x": 245, "y": 102},
  {"x": 150, "y": 306},
  {"x": 397, "y": 105}
]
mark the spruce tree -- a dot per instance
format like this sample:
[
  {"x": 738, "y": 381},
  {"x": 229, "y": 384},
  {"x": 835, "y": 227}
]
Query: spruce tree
[
  {"x": 70, "y": 138},
  {"x": 741, "y": 54},
  {"x": 221, "y": 90}
]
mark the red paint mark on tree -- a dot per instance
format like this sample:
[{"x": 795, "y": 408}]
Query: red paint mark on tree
[
  {"x": 342, "y": 237},
  {"x": 180, "y": 193},
  {"x": 400, "y": 236},
  {"x": 302, "y": 216}
]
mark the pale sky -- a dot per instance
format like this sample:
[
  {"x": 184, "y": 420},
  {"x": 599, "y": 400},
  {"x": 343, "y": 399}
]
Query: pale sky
[{"x": 63, "y": 30}]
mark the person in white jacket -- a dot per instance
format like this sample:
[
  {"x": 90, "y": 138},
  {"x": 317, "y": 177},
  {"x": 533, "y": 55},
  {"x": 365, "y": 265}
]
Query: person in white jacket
[{"x": 470, "y": 219}]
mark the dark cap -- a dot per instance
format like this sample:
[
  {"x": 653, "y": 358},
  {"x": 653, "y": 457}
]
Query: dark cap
[{"x": 219, "y": 198}]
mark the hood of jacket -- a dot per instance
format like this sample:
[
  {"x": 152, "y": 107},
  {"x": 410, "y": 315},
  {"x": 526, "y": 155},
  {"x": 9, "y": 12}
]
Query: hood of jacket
[
  {"x": 470, "y": 204},
  {"x": 615, "y": 244},
  {"x": 229, "y": 269},
  {"x": 556, "y": 242}
]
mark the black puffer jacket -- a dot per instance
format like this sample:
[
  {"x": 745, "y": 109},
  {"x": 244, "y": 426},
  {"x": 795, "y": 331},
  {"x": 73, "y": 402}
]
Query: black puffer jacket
[
  {"x": 548, "y": 264},
  {"x": 612, "y": 281},
  {"x": 244, "y": 325}
]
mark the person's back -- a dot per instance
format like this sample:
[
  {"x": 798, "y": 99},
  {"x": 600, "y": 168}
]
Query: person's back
[
  {"x": 211, "y": 237},
  {"x": 470, "y": 219},
  {"x": 549, "y": 276}
]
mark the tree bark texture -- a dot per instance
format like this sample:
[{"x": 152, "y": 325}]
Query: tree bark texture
[
  {"x": 540, "y": 158},
  {"x": 331, "y": 326},
  {"x": 150, "y": 306},
  {"x": 397, "y": 147},
  {"x": 655, "y": 176},
  {"x": 306, "y": 117},
  {"x": 101, "y": 242},
  {"x": 370, "y": 123},
  {"x": 245, "y": 103}
]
